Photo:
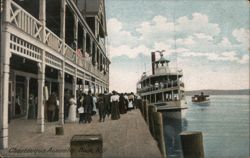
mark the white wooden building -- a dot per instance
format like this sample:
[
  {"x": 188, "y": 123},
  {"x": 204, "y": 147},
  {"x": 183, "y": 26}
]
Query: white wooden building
[{"x": 50, "y": 46}]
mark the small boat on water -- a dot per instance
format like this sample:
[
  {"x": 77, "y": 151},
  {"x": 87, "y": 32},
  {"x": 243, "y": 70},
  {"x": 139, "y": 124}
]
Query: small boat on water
[{"x": 200, "y": 98}]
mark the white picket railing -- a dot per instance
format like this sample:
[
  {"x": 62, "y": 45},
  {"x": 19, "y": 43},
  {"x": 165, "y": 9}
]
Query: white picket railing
[
  {"x": 53, "y": 41},
  {"x": 26, "y": 22},
  {"x": 29, "y": 24}
]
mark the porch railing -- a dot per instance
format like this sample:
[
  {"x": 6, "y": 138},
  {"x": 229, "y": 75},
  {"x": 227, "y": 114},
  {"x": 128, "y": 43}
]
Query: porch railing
[
  {"x": 30, "y": 25},
  {"x": 25, "y": 21}
]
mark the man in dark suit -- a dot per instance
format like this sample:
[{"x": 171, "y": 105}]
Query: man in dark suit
[
  {"x": 107, "y": 103},
  {"x": 88, "y": 107}
]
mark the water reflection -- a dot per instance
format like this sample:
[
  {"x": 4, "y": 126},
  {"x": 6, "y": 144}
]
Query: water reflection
[
  {"x": 224, "y": 123},
  {"x": 174, "y": 124}
]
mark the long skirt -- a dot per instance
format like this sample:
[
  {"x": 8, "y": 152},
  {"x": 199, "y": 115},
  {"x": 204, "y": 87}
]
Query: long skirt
[
  {"x": 72, "y": 113},
  {"x": 122, "y": 107},
  {"x": 115, "y": 114},
  {"x": 130, "y": 105}
]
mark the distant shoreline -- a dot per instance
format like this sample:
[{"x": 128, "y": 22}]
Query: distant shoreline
[{"x": 219, "y": 92}]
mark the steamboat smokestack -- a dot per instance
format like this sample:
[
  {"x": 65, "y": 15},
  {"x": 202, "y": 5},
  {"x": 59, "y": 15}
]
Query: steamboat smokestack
[{"x": 153, "y": 62}]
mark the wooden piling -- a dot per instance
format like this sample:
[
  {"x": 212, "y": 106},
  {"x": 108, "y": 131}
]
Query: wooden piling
[
  {"x": 146, "y": 112},
  {"x": 59, "y": 130},
  {"x": 151, "y": 109},
  {"x": 192, "y": 144},
  {"x": 140, "y": 105},
  {"x": 159, "y": 133},
  {"x": 142, "y": 109}
]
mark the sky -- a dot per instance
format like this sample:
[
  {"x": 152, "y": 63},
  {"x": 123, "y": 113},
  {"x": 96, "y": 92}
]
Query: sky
[{"x": 207, "y": 39}]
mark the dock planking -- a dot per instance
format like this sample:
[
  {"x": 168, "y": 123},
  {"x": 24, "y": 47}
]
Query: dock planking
[{"x": 128, "y": 137}]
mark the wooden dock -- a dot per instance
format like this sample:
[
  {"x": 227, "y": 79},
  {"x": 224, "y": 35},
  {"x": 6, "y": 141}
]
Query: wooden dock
[{"x": 128, "y": 137}]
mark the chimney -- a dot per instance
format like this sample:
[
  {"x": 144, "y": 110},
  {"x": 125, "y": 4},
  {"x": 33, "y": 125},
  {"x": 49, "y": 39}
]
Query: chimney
[{"x": 153, "y": 60}]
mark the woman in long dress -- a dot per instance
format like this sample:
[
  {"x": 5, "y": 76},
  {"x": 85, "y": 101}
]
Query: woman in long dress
[
  {"x": 131, "y": 101},
  {"x": 115, "y": 114},
  {"x": 122, "y": 104},
  {"x": 72, "y": 109}
]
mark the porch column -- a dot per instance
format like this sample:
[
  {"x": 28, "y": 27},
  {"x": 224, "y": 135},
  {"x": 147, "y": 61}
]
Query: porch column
[
  {"x": 76, "y": 35},
  {"x": 41, "y": 70},
  {"x": 172, "y": 95},
  {"x": 61, "y": 96},
  {"x": 62, "y": 72},
  {"x": 84, "y": 42},
  {"x": 100, "y": 60},
  {"x": 93, "y": 61},
  {"x": 96, "y": 57},
  {"x": 91, "y": 48},
  {"x": 74, "y": 83},
  {"x": 50, "y": 87},
  {"x": 102, "y": 89},
  {"x": 163, "y": 97},
  {"x": 27, "y": 96},
  {"x": 97, "y": 87},
  {"x": 83, "y": 84},
  {"x": 94, "y": 86},
  {"x": 4, "y": 80},
  {"x": 41, "y": 97}
]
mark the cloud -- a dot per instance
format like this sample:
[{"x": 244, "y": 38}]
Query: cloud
[
  {"x": 194, "y": 38},
  {"x": 225, "y": 43},
  {"x": 242, "y": 36},
  {"x": 126, "y": 50},
  {"x": 203, "y": 36},
  {"x": 160, "y": 28},
  {"x": 244, "y": 59},
  {"x": 229, "y": 56},
  {"x": 199, "y": 23},
  {"x": 159, "y": 24},
  {"x": 118, "y": 36},
  {"x": 189, "y": 41}
]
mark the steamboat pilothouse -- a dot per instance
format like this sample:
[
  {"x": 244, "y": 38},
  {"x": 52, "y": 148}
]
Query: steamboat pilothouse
[{"x": 164, "y": 87}]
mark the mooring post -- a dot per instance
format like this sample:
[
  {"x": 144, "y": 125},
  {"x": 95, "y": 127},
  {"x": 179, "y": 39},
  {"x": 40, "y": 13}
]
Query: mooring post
[
  {"x": 151, "y": 109},
  {"x": 159, "y": 134},
  {"x": 192, "y": 144},
  {"x": 140, "y": 105},
  {"x": 142, "y": 108},
  {"x": 59, "y": 130},
  {"x": 146, "y": 112}
]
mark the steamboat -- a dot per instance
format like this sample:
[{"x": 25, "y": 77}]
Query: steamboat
[{"x": 164, "y": 87}]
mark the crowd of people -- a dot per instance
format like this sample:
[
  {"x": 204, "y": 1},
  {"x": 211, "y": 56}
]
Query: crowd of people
[
  {"x": 84, "y": 106},
  {"x": 107, "y": 105}
]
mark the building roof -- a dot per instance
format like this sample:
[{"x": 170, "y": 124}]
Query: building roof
[{"x": 89, "y": 7}]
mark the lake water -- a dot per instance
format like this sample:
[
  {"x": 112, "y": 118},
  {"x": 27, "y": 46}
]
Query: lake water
[{"x": 224, "y": 123}]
